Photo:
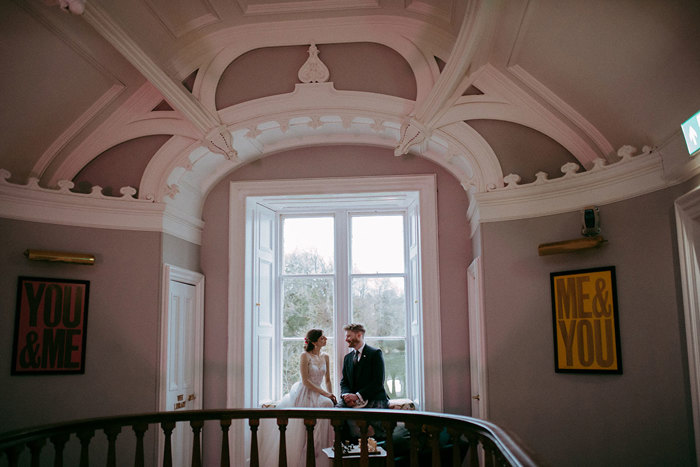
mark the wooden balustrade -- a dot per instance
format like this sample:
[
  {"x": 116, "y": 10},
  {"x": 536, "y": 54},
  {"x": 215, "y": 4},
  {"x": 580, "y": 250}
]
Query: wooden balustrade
[{"x": 478, "y": 438}]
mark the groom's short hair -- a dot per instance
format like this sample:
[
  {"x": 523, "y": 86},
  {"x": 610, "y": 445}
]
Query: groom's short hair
[{"x": 354, "y": 327}]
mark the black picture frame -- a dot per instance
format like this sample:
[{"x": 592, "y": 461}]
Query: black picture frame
[
  {"x": 585, "y": 321},
  {"x": 50, "y": 333}
]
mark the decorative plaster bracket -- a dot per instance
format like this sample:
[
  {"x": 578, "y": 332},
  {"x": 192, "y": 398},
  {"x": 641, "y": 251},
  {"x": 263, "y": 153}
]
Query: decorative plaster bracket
[
  {"x": 411, "y": 133},
  {"x": 220, "y": 141}
]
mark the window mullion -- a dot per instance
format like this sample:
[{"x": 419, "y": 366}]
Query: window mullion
[{"x": 342, "y": 289}]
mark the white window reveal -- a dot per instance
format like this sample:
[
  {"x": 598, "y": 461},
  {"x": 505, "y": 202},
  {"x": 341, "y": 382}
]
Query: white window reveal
[{"x": 319, "y": 257}]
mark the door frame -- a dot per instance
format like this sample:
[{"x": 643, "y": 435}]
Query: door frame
[
  {"x": 687, "y": 209},
  {"x": 196, "y": 279},
  {"x": 477, "y": 338}
]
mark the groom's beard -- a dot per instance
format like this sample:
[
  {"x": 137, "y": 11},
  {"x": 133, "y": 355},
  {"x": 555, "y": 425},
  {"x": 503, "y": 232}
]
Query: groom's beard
[{"x": 353, "y": 342}]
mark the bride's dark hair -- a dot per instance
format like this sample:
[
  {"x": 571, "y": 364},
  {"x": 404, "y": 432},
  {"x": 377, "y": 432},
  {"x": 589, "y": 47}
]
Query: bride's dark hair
[{"x": 311, "y": 337}]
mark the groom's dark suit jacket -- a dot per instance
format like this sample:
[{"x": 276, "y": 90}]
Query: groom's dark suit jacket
[{"x": 367, "y": 379}]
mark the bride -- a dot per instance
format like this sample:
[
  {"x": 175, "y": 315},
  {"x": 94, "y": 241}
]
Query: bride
[{"x": 309, "y": 392}]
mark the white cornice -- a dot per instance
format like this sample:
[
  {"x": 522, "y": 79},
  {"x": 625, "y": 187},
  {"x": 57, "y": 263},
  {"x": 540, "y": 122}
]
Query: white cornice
[
  {"x": 64, "y": 207},
  {"x": 631, "y": 177}
]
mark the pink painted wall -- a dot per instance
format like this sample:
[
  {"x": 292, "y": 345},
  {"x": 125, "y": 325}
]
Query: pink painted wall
[
  {"x": 345, "y": 161},
  {"x": 122, "y": 326},
  {"x": 641, "y": 417}
]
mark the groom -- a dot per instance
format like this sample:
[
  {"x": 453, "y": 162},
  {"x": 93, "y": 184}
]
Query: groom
[{"x": 362, "y": 384}]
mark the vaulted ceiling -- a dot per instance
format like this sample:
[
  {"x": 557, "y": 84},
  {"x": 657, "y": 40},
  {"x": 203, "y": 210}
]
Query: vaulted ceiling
[{"x": 168, "y": 97}]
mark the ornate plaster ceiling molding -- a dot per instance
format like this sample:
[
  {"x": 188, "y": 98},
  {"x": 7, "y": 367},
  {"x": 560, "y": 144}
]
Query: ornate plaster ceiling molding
[
  {"x": 132, "y": 120},
  {"x": 31, "y": 202},
  {"x": 213, "y": 55},
  {"x": 505, "y": 100},
  {"x": 603, "y": 184},
  {"x": 565, "y": 109},
  {"x": 73, "y": 130}
]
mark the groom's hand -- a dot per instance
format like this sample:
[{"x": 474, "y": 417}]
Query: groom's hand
[{"x": 350, "y": 399}]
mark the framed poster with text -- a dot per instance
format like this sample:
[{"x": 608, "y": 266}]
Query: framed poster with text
[
  {"x": 585, "y": 319},
  {"x": 50, "y": 326}
]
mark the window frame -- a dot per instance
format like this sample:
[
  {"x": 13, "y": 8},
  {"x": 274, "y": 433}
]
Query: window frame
[
  {"x": 239, "y": 361},
  {"x": 342, "y": 277}
]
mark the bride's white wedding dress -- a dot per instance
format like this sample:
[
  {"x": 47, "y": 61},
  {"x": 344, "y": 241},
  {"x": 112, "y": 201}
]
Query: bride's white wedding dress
[{"x": 295, "y": 435}]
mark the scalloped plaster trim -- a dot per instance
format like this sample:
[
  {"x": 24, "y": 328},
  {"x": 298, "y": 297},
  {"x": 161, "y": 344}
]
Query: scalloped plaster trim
[
  {"x": 61, "y": 206},
  {"x": 604, "y": 184}
]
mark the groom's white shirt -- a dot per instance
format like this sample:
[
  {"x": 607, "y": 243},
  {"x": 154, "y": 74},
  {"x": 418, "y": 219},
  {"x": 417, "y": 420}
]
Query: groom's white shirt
[{"x": 361, "y": 403}]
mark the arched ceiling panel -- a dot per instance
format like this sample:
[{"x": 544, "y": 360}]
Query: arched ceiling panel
[
  {"x": 522, "y": 150},
  {"x": 358, "y": 66},
  {"x": 131, "y": 157}
]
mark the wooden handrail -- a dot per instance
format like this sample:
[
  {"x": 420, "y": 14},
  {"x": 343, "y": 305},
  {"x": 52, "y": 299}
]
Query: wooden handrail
[{"x": 499, "y": 447}]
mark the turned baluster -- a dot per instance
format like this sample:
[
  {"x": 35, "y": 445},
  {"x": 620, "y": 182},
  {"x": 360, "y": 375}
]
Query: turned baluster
[
  {"x": 59, "y": 443},
  {"x": 35, "y": 448},
  {"x": 196, "y": 442},
  {"x": 168, "y": 428},
  {"x": 85, "y": 436},
  {"x": 13, "y": 453},
  {"x": 414, "y": 443},
  {"x": 139, "y": 431},
  {"x": 310, "y": 451},
  {"x": 254, "y": 423},
  {"x": 488, "y": 452},
  {"x": 456, "y": 452},
  {"x": 434, "y": 437},
  {"x": 473, "y": 449},
  {"x": 112, "y": 432},
  {"x": 389, "y": 426},
  {"x": 338, "y": 441},
  {"x": 282, "y": 425},
  {"x": 225, "y": 456},
  {"x": 364, "y": 449}
]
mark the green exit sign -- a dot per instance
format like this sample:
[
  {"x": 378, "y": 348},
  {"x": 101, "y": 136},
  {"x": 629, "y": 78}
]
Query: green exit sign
[{"x": 691, "y": 133}]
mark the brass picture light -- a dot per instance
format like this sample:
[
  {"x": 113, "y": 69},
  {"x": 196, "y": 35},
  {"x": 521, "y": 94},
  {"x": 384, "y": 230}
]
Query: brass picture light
[
  {"x": 60, "y": 256},
  {"x": 590, "y": 231}
]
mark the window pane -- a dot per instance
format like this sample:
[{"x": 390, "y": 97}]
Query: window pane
[
  {"x": 380, "y": 305},
  {"x": 307, "y": 303},
  {"x": 394, "y": 365},
  {"x": 307, "y": 245},
  {"x": 377, "y": 244},
  {"x": 291, "y": 352}
]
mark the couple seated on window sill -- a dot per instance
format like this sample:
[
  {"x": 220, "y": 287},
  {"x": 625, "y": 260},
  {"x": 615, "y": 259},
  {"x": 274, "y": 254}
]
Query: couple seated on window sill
[{"x": 362, "y": 386}]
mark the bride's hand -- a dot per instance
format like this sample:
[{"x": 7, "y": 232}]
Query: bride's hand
[{"x": 333, "y": 399}]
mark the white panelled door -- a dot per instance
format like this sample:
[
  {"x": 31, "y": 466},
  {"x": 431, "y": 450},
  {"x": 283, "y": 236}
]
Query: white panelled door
[{"x": 183, "y": 351}]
